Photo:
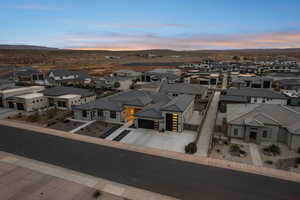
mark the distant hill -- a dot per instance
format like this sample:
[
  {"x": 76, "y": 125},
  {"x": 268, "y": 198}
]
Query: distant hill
[{"x": 24, "y": 47}]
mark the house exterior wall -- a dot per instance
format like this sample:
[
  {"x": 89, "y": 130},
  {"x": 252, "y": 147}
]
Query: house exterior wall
[
  {"x": 295, "y": 142},
  {"x": 268, "y": 100},
  {"x": 93, "y": 115},
  {"x": 32, "y": 104},
  {"x": 239, "y": 133},
  {"x": 186, "y": 115}
]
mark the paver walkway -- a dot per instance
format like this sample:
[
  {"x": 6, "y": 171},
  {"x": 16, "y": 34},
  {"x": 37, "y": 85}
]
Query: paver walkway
[
  {"x": 118, "y": 131},
  {"x": 82, "y": 126},
  {"x": 254, "y": 151},
  {"x": 208, "y": 126}
]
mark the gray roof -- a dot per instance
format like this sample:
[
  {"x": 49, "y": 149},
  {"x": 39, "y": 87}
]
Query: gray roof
[
  {"x": 183, "y": 88},
  {"x": 60, "y": 90},
  {"x": 179, "y": 103},
  {"x": 255, "y": 92},
  {"x": 136, "y": 98},
  {"x": 241, "y": 99},
  {"x": 264, "y": 114}
]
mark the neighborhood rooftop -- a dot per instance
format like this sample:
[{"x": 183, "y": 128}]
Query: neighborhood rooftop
[
  {"x": 255, "y": 92},
  {"x": 59, "y": 91}
]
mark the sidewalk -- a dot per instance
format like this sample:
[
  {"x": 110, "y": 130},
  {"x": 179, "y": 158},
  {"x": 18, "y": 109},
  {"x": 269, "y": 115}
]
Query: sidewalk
[
  {"x": 45, "y": 181},
  {"x": 82, "y": 126},
  {"x": 256, "y": 159},
  {"x": 119, "y": 130},
  {"x": 208, "y": 126}
]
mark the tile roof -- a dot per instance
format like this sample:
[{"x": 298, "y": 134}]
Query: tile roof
[
  {"x": 273, "y": 114},
  {"x": 60, "y": 90},
  {"x": 183, "y": 88},
  {"x": 255, "y": 92}
]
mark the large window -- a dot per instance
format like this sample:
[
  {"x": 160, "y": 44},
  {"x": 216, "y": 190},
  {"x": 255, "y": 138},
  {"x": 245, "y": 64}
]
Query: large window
[
  {"x": 267, "y": 133},
  {"x": 113, "y": 114},
  {"x": 235, "y": 131},
  {"x": 100, "y": 113},
  {"x": 84, "y": 113}
]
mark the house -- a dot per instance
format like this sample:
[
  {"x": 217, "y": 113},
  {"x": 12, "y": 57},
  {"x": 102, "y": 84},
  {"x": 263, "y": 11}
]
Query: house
[
  {"x": 200, "y": 92},
  {"x": 28, "y": 102},
  {"x": 251, "y": 82},
  {"x": 293, "y": 97},
  {"x": 65, "y": 97},
  {"x": 289, "y": 84},
  {"x": 127, "y": 73},
  {"x": 109, "y": 82},
  {"x": 6, "y": 95},
  {"x": 162, "y": 75},
  {"x": 258, "y": 95},
  {"x": 145, "y": 109},
  {"x": 27, "y": 75},
  {"x": 63, "y": 77},
  {"x": 264, "y": 123}
]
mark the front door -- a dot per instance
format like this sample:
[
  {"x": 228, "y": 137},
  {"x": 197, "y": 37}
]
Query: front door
[
  {"x": 169, "y": 122},
  {"x": 253, "y": 136}
]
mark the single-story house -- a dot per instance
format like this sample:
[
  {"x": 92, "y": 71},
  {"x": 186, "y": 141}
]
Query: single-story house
[
  {"x": 200, "y": 92},
  {"x": 145, "y": 109},
  {"x": 264, "y": 123},
  {"x": 63, "y": 77},
  {"x": 66, "y": 97},
  {"x": 258, "y": 95}
]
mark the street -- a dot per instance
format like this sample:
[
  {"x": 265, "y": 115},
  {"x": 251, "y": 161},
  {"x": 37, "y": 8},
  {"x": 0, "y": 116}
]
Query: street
[{"x": 162, "y": 175}]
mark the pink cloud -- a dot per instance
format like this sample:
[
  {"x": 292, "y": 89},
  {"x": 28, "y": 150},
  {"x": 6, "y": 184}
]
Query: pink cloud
[{"x": 115, "y": 41}]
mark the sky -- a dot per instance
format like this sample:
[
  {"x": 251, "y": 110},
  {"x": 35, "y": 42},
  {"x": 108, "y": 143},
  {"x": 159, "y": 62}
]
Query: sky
[{"x": 151, "y": 24}]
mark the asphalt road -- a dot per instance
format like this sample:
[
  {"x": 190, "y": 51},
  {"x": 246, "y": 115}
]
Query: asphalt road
[{"x": 166, "y": 176}]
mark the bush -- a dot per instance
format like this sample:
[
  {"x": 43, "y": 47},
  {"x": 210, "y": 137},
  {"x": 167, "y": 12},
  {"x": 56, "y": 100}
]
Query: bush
[
  {"x": 270, "y": 162},
  {"x": 117, "y": 85},
  {"x": 235, "y": 148},
  {"x": 298, "y": 161},
  {"x": 273, "y": 149},
  {"x": 96, "y": 194},
  {"x": 191, "y": 148}
]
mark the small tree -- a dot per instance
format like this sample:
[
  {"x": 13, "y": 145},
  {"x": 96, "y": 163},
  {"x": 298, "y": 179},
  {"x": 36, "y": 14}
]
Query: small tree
[
  {"x": 117, "y": 84},
  {"x": 191, "y": 148}
]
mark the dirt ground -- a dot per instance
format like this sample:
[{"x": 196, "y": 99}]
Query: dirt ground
[
  {"x": 66, "y": 125},
  {"x": 97, "y": 129}
]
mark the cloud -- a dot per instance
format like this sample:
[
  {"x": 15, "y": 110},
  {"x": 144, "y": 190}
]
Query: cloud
[
  {"x": 139, "y": 26},
  {"x": 119, "y": 41},
  {"x": 34, "y": 7}
]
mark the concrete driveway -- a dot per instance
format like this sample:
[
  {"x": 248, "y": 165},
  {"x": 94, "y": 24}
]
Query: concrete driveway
[
  {"x": 6, "y": 112},
  {"x": 171, "y": 141}
]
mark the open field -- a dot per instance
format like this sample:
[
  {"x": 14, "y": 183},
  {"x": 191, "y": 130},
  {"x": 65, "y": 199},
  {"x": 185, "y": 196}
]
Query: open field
[{"x": 96, "y": 63}]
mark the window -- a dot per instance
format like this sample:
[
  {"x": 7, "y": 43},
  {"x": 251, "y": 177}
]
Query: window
[
  {"x": 235, "y": 131},
  {"x": 113, "y": 114},
  {"x": 84, "y": 113},
  {"x": 265, "y": 134},
  {"x": 100, "y": 113},
  {"x": 255, "y": 99}
]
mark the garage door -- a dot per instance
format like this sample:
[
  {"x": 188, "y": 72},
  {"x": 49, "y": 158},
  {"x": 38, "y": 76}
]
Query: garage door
[{"x": 143, "y": 123}]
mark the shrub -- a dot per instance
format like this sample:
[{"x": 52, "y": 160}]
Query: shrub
[
  {"x": 298, "y": 161},
  {"x": 270, "y": 162},
  {"x": 117, "y": 85},
  {"x": 96, "y": 194},
  {"x": 234, "y": 148},
  {"x": 273, "y": 149},
  {"x": 191, "y": 148}
]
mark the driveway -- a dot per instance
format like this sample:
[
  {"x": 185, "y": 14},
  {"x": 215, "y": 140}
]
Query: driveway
[
  {"x": 6, "y": 112},
  {"x": 171, "y": 141}
]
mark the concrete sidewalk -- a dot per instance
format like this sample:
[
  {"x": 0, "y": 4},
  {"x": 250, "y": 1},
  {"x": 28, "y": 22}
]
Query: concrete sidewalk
[
  {"x": 208, "y": 126},
  {"x": 254, "y": 151},
  {"x": 82, "y": 126},
  {"x": 119, "y": 130},
  {"x": 74, "y": 185}
]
